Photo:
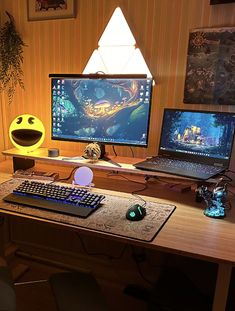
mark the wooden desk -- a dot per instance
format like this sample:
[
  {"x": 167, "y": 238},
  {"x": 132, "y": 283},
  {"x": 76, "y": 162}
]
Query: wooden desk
[{"x": 188, "y": 233}]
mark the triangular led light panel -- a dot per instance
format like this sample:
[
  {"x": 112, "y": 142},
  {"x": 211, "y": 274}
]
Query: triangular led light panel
[
  {"x": 137, "y": 64},
  {"x": 95, "y": 64},
  {"x": 117, "y": 53},
  {"x": 115, "y": 57},
  {"x": 117, "y": 31}
]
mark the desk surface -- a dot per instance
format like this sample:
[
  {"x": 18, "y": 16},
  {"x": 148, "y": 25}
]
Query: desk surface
[{"x": 187, "y": 231}]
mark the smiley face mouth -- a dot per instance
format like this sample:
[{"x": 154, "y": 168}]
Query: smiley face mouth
[{"x": 26, "y": 137}]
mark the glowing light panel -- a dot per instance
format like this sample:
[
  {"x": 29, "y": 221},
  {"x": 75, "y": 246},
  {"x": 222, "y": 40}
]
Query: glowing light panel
[
  {"x": 117, "y": 53},
  {"x": 117, "y": 31},
  {"x": 116, "y": 58}
]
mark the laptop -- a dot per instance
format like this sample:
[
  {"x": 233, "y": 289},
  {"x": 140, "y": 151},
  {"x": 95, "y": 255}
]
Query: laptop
[{"x": 193, "y": 144}]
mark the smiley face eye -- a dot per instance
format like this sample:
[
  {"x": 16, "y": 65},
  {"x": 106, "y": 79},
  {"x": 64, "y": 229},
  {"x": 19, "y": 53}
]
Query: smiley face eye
[
  {"x": 31, "y": 120},
  {"x": 19, "y": 120}
]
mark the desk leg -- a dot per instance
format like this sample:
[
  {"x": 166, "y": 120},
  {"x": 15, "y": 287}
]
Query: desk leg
[{"x": 222, "y": 287}]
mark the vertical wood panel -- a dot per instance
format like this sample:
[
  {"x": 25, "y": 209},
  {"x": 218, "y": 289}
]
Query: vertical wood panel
[{"x": 161, "y": 29}]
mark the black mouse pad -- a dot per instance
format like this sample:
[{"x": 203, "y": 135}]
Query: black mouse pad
[{"x": 109, "y": 218}]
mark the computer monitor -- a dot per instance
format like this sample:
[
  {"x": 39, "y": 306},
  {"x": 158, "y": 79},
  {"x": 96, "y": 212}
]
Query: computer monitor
[
  {"x": 194, "y": 134},
  {"x": 101, "y": 108}
]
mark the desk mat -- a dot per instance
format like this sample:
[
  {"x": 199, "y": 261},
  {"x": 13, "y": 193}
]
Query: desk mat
[{"x": 109, "y": 218}]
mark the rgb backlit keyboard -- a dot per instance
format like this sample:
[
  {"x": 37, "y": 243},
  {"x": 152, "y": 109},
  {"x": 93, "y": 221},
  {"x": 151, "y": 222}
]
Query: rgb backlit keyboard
[{"x": 63, "y": 199}]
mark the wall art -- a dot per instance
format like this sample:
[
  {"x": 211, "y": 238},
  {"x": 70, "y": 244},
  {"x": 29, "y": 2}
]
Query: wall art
[
  {"x": 50, "y": 9},
  {"x": 210, "y": 71}
]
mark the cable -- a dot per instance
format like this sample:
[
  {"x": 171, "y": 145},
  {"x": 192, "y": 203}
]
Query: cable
[
  {"x": 132, "y": 152},
  {"x": 228, "y": 178},
  {"x": 142, "y": 275},
  {"x": 170, "y": 183},
  {"x": 114, "y": 151},
  {"x": 100, "y": 254},
  {"x": 138, "y": 266},
  {"x": 115, "y": 257},
  {"x": 124, "y": 177},
  {"x": 139, "y": 197},
  {"x": 230, "y": 171},
  {"x": 233, "y": 193},
  {"x": 70, "y": 175},
  {"x": 134, "y": 193}
]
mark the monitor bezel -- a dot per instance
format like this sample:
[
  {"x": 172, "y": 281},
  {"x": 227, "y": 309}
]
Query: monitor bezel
[{"x": 104, "y": 76}]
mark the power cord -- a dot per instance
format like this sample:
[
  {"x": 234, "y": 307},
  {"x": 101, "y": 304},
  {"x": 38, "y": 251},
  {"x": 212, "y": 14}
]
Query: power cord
[
  {"x": 229, "y": 179},
  {"x": 172, "y": 185},
  {"x": 100, "y": 254},
  {"x": 132, "y": 152},
  {"x": 140, "y": 257},
  {"x": 128, "y": 179},
  {"x": 230, "y": 171},
  {"x": 114, "y": 151},
  {"x": 137, "y": 257},
  {"x": 70, "y": 175},
  {"x": 134, "y": 193}
]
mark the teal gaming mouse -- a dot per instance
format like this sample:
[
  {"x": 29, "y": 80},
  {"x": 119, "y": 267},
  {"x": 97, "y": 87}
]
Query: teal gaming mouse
[{"x": 136, "y": 212}]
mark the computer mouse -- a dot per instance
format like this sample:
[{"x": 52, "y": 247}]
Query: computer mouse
[{"x": 136, "y": 212}]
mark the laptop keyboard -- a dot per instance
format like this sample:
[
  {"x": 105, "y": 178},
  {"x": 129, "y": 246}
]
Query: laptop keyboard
[
  {"x": 179, "y": 167},
  {"x": 189, "y": 166}
]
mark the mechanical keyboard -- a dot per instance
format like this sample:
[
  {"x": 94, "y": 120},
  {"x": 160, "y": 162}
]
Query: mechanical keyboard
[{"x": 63, "y": 199}]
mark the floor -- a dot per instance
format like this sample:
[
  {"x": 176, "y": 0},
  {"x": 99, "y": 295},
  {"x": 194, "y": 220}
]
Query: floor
[{"x": 38, "y": 296}]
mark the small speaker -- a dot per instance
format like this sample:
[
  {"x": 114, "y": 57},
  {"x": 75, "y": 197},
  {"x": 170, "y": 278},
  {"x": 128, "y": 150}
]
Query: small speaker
[
  {"x": 53, "y": 153},
  {"x": 83, "y": 176}
]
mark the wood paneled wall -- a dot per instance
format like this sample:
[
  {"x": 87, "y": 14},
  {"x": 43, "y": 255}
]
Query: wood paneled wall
[{"x": 161, "y": 29}]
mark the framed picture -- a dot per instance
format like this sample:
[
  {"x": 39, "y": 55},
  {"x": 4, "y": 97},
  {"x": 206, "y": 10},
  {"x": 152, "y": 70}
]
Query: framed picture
[
  {"x": 50, "y": 9},
  {"x": 221, "y": 1},
  {"x": 210, "y": 71}
]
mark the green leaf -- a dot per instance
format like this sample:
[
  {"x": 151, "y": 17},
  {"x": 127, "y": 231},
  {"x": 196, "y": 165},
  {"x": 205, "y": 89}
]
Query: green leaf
[{"x": 11, "y": 58}]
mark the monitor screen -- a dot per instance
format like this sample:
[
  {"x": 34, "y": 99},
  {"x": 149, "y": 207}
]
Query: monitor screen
[
  {"x": 198, "y": 133},
  {"x": 102, "y": 109}
]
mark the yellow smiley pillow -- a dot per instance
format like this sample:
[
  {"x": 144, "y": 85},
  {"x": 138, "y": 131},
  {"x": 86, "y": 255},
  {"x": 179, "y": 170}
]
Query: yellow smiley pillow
[{"x": 26, "y": 132}]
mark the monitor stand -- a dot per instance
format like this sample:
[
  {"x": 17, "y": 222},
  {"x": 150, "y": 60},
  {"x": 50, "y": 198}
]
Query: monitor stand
[{"x": 104, "y": 157}]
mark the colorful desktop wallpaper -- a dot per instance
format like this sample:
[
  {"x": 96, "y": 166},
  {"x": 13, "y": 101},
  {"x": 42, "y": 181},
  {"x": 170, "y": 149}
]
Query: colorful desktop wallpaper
[
  {"x": 198, "y": 133},
  {"x": 103, "y": 110}
]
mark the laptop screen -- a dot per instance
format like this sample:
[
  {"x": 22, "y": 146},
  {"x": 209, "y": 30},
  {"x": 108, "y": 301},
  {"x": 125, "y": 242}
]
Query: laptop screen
[{"x": 198, "y": 135}]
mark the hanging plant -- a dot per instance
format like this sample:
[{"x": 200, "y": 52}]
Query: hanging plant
[{"x": 11, "y": 58}]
